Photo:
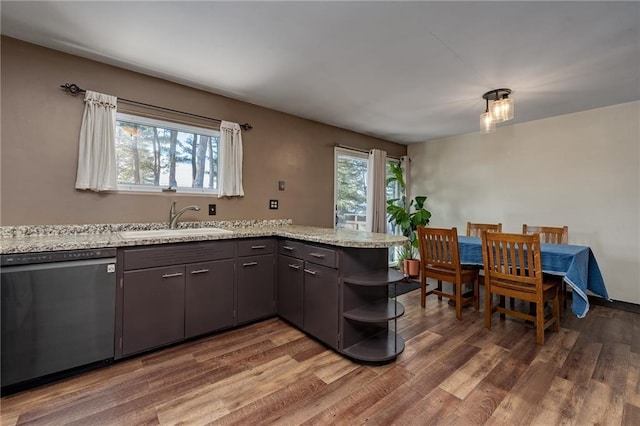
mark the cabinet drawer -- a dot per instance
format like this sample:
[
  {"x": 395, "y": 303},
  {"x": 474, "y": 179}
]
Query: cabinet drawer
[
  {"x": 255, "y": 247},
  {"x": 291, "y": 248},
  {"x": 176, "y": 254},
  {"x": 320, "y": 256}
]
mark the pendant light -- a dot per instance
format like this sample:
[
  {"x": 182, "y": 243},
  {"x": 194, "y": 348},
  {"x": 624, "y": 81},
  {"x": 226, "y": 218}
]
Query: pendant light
[{"x": 499, "y": 108}]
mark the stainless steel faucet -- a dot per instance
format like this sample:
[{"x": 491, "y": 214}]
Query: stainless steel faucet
[{"x": 173, "y": 216}]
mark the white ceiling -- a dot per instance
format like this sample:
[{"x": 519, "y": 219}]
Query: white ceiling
[{"x": 402, "y": 71}]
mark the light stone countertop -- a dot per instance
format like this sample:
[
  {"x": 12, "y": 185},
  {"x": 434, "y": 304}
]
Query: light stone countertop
[{"x": 42, "y": 238}]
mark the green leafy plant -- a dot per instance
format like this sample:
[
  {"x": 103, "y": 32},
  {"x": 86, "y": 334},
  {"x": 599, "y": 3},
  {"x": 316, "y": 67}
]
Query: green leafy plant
[{"x": 407, "y": 217}]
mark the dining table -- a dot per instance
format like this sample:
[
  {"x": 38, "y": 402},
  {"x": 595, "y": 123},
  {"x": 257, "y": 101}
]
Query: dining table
[{"x": 576, "y": 264}]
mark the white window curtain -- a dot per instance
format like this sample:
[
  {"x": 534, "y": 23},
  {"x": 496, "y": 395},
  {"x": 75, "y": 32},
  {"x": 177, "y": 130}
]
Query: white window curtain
[
  {"x": 230, "y": 160},
  {"x": 97, "y": 170},
  {"x": 376, "y": 191}
]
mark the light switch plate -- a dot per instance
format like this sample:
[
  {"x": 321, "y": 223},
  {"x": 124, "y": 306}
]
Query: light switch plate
[
  {"x": 273, "y": 204},
  {"x": 281, "y": 185},
  {"x": 212, "y": 209}
]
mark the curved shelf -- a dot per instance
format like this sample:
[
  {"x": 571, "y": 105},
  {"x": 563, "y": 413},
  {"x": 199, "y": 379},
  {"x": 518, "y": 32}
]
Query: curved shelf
[
  {"x": 376, "y": 278},
  {"x": 384, "y": 346},
  {"x": 379, "y": 312}
]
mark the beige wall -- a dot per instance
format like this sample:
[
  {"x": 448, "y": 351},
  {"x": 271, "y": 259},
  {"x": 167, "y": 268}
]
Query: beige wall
[
  {"x": 580, "y": 170},
  {"x": 41, "y": 124}
]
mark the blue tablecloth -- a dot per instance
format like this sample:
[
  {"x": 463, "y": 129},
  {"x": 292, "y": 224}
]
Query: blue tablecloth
[{"x": 576, "y": 264}]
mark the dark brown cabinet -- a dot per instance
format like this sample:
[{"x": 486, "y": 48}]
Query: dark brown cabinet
[
  {"x": 209, "y": 295},
  {"x": 321, "y": 300},
  {"x": 153, "y": 309},
  {"x": 308, "y": 294},
  {"x": 255, "y": 282},
  {"x": 338, "y": 295},
  {"x": 169, "y": 292},
  {"x": 290, "y": 286}
]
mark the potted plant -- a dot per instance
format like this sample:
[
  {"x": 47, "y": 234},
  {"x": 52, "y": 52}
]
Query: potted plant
[{"x": 407, "y": 217}]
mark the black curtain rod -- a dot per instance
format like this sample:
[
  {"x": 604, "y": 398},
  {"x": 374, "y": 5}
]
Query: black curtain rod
[
  {"x": 74, "y": 90},
  {"x": 365, "y": 151}
]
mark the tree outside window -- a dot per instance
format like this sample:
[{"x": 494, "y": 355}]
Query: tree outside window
[{"x": 153, "y": 153}]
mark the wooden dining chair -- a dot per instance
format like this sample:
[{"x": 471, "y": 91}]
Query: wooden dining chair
[
  {"x": 440, "y": 260},
  {"x": 548, "y": 234},
  {"x": 475, "y": 229},
  {"x": 552, "y": 235},
  {"x": 513, "y": 268}
]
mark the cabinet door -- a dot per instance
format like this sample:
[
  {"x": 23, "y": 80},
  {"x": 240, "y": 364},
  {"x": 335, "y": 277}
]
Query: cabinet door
[
  {"x": 256, "y": 283},
  {"x": 209, "y": 297},
  {"x": 321, "y": 303},
  {"x": 153, "y": 308},
  {"x": 290, "y": 286}
]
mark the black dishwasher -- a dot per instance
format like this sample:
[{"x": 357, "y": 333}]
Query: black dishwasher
[{"x": 58, "y": 312}]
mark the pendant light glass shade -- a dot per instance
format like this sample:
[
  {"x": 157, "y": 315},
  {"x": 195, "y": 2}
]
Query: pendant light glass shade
[
  {"x": 507, "y": 109},
  {"x": 487, "y": 125},
  {"x": 499, "y": 109}
]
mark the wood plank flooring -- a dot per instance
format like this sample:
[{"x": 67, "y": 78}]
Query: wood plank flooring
[{"x": 451, "y": 373}]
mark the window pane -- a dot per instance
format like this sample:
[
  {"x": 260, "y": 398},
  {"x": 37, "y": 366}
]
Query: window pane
[
  {"x": 165, "y": 155},
  {"x": 351, "y": 192}
]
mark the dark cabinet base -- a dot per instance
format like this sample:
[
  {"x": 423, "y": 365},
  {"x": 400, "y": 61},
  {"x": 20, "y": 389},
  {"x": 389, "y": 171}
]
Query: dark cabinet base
[
  {"x": 153, "y": 310},
  {"x": 209, "y": 297},
  {"x": 337, "y": 295}
]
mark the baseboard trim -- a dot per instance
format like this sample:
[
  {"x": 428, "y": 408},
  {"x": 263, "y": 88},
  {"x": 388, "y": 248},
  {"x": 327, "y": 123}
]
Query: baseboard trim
[{"x": 615, "y": 304}]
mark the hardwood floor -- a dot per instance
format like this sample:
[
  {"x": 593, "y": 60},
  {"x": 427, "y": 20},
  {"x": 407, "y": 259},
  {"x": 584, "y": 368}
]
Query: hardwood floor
[{"x": 451, "y": 373}]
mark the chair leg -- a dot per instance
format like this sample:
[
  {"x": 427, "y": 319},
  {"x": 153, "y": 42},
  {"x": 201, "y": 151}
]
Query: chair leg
[
  {"x": 503, "y": 305},
  {"x": 556, "y": 314},
  {"x": 487, "y": 305},
  {"x": 439, "y": 289},
  {"x": 458, "y": 288},
  {"x": 563, "y": 297},
  {"x": 540, "y": 323},
  {"x": 423, "y": 291},
  {"x": 476, "y": 293}
]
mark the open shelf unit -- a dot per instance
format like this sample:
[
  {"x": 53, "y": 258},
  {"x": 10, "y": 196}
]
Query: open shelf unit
[{"x": 370, "y": 315}]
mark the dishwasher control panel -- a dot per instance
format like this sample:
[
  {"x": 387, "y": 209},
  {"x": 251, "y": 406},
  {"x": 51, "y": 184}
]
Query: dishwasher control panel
[{"x": 55, "y": 256}]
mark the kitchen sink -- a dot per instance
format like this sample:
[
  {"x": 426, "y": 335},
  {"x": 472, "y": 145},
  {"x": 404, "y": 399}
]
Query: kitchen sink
[{"x": 155, "y": 233}]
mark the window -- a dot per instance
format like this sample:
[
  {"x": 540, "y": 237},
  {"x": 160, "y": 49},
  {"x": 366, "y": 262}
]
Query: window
[
  {"x": 351, "y": 189},
  {"x": 351, "y": 192},
  {"x": 154, "y": 154}
]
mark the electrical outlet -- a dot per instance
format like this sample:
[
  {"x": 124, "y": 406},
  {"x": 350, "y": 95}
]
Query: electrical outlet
[
  {"x": 212, "y": 209},
  {"x": 281, "y": 185},
  {"x": 273, "y": 204}
]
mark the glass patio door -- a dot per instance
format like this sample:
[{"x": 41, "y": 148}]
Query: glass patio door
[{"x": 351, "y": 191}]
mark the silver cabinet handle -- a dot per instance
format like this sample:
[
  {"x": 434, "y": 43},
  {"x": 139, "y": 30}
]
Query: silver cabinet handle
[
  {"x": 309, "y": 271},
  {"x": 294, "y": 266},
  {"x": 287, "y": 248},
  {"x": 257, "y": 247},
  {"x": 320, "y": 255},
  {"x": 250, "y": 264},
  {"x": 199, "y": 271},
  {"x": 177, "y": 274}
]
